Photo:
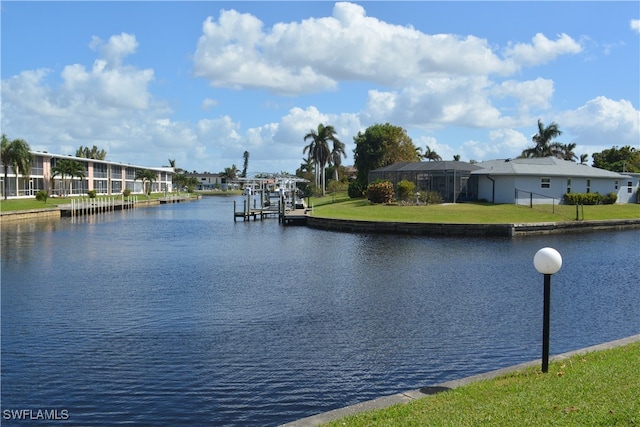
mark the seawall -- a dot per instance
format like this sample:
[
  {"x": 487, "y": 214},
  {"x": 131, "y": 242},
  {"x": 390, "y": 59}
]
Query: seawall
[{"x": 496, "y": 230}]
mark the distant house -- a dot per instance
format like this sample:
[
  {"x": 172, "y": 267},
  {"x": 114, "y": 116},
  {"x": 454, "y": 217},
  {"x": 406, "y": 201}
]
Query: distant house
[
  {"x": 540, "y": 180},
  {"x": 529, "y": 180},
  {"x": 449, "y": 178},
  {"x": 208, "y": 181}
]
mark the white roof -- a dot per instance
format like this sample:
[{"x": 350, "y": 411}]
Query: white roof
[{"x": 543, "y": 166}]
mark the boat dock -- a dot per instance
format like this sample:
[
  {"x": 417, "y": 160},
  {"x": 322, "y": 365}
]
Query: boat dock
[{"x": 88, "y": 206}]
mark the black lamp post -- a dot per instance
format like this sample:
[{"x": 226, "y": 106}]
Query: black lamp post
[{"x": 547, "y": 261}]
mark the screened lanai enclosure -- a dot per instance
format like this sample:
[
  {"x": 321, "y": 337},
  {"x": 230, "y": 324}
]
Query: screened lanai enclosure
[{"x": 451, "y": 179}]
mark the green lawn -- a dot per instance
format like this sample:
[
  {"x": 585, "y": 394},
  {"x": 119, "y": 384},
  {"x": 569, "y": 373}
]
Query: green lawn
[
  {"x": 467, "y": 213},
  {"x": 52, "y": 202},
  {"x": 595, "y": 389}
]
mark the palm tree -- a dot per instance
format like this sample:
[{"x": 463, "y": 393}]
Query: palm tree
[
  {"x": 319, "y": 150},
  {"x": 544, "y": 147},
  {"x": 565, "y": 151},
  {"x": 229, "y": 174},
  {"x": 91, "y": 153},
  {"x": 70, "y": 168},
  {"x": 583, "y": 159},
  {"x": 145, "y": 175},
  {"x": 245, "y": 156},
  {"x": 336, "y": 155},
  {"x": 430, "y": 154},
  {"x": 16, "y": 154},
  {"x": 456, "y": 157}
]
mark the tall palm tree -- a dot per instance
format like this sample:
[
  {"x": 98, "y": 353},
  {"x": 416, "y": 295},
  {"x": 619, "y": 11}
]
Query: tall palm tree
[
  {"x": 145, "y": 175},
  {"x": 337, "y": 153},
  {"x": 245, "y": 166},
  {"x": 544, "y": 147},
  {"x": 70, "y": 168},
  {"x": 319, "y": 150},
  {"x": 430, "y": 154},
  {"x": 16, "y": 154}
]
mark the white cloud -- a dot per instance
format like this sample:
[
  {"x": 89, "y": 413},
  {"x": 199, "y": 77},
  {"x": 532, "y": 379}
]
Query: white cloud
[
  {"x": 116, "y": 49},
  {"x": 635, "y": 25},
  {"x": 528, "y": 94},
  {"x": 542, "y": 50},
  {"x": 603, "y": 122},
  {"x": 236, "y": 51}
]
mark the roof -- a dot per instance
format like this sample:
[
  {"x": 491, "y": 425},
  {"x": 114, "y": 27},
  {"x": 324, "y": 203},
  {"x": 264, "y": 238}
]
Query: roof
[
  {"x": 428, "y": 166},
  {"x": 107, "y": 162},
  {"x": 543, "y": 166}
]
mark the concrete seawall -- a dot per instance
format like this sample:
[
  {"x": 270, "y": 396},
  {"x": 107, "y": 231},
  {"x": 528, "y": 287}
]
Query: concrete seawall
[{"x": 499, "y": 230}]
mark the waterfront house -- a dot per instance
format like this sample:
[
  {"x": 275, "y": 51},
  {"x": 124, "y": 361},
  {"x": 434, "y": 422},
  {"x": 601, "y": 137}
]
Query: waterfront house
[
  {"x": 546, "y": 180},
  {"x": 521, "y": 180},
  {"x": 105, "y": 177}
]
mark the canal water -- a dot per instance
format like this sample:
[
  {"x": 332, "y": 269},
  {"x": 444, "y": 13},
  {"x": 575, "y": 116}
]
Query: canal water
[{"x": 176, "y": 315}]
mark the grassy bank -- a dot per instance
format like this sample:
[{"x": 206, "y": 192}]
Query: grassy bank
[
  {"x": 52, "y": 202},
  {"x": 599, "y": 388},
  {"x": 467, "y": 213}
]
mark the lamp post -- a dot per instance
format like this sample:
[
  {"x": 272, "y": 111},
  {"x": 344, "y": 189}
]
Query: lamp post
[{"x": 547, "y": 261}]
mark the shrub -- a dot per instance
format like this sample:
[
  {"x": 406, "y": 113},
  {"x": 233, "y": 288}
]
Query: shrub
[
  {"x": 406, "y": 189},
  {"x": 380, "y": 192},
  {"x": 589, "y": 199},
  {"x": 609, "y": 199},
  {"x": 42, "y": 196},
  {"x": 126, "y": 192},
  {"x": 430, "y": 197},
  {"x": 355, "y": 190},
  {"x": 92, "y": 194}
]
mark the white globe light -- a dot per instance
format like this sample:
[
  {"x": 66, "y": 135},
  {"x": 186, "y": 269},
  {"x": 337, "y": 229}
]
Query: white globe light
[{"x": 547, "y": 261}]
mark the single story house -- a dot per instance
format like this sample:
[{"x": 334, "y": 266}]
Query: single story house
[
  {"x": 521, "y": 180},
  {"x": 543, "y": 180},
  {"x": 103, "y": 176},
  {"x": 449, "y": 178}
]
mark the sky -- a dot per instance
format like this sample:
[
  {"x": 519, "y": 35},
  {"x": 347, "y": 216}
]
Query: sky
[{"x": 201, "y": 82}]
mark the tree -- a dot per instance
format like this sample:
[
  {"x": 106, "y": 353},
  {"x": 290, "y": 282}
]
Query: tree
[
  {"x": 319, "y": 150},
  {"x": 93, "y": 153},
  {"x": 625, "y": 159},
  {"x": 145, "y": 175},
  {"x": 229, "y": 174},
  {"x": 565, "y": 151},
  {"x": 456, "y": 157},
  {"x": 430, "y": 155},
  {"x": 337, "y": 153},
  {"x": 583, "y": 159},
  {"x": 381, "y": 145},
  {"x": 543, "y": 139},
  {"x": 245, "y": 166},
  {"x": 16, "y": 154},
  {"x": 70, "y": 168}
]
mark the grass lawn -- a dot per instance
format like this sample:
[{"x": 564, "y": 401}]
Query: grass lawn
[
  {"x": 467, "y": 213},
  {"x": 594, "y": 389},
  {"x": 52, "y": 202}
]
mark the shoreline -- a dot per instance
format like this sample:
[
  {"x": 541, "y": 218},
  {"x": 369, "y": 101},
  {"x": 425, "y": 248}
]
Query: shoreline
[
  {"x": 475, "y": 230},
  {"x": 408, "y": 396},
  {"x": 391, "y": 227}
]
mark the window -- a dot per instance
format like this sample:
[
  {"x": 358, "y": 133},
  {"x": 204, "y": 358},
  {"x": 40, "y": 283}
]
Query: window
[
  {"x": 545, "y": 182},
  {"x": 588, "y": 186},
  {"x": 568, "y": 185},
  {"x": 629, "y": 187},
  {"x": 615, "y": 185}
]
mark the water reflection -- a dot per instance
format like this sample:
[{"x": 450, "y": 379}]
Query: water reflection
[{"x": 178, "y": 315}]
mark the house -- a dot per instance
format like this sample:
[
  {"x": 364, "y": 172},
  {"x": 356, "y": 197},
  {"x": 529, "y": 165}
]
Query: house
[
  {"x": 543, "y": 180},
  {"x": 208, "y": 181},
  {"x": 103, "y": 176},
  {"x": 449, "y": 178},
  {"x": 522, "y": 180}
]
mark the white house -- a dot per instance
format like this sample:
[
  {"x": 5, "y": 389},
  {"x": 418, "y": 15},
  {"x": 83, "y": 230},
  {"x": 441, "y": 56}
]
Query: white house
[{"x": 541, "y": 180}]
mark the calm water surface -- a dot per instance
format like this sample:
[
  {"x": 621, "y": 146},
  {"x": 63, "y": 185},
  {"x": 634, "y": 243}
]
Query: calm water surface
[{"x": 177, "y": 315}]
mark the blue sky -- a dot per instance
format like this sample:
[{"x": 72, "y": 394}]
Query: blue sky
[{"x": 202, "y": 82}]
